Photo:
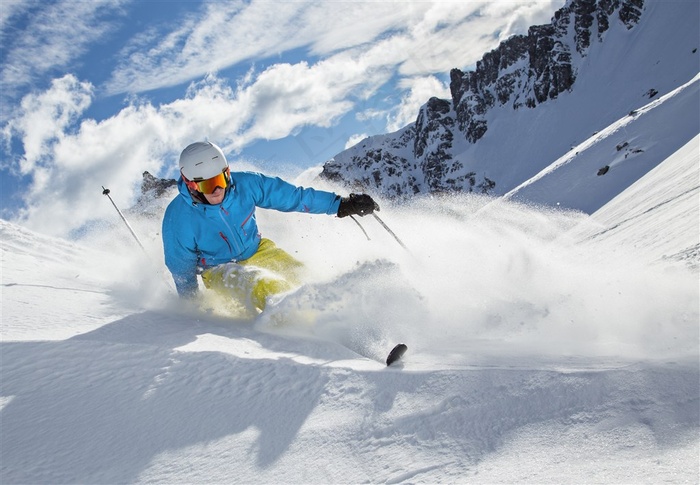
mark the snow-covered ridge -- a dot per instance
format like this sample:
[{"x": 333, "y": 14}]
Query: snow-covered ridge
[{"x": 595, "y": 63}]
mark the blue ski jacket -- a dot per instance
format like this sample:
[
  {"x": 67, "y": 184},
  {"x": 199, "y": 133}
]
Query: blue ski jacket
[{"x": 199, "y": 236}]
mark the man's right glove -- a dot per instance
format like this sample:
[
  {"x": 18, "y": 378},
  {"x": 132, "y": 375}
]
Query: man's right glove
[{"x": 357, "y": 204}]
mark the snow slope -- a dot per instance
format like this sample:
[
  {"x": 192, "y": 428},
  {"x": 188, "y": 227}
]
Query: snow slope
[
  {"x": 544, "y": 346},
  {"x": 631, "y": 220},
  {"x": 628, "y": 148}
]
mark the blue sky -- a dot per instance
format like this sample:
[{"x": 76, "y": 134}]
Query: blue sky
[{"x": 94, "y": 93}]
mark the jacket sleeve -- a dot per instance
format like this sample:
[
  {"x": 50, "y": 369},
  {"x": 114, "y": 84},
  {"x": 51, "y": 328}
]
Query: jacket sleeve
[
  {"x": 180, "y": 253},
  {"x": 275, "y": 193}
]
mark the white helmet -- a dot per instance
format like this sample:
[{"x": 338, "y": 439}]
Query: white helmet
[{"x": 202, "y": 160}]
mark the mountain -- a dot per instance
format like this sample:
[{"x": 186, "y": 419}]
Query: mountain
[{"x": 534, "y": 99}]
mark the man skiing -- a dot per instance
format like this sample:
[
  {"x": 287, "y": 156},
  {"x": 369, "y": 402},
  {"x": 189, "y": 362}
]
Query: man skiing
[{"x": 210, "y": 227}]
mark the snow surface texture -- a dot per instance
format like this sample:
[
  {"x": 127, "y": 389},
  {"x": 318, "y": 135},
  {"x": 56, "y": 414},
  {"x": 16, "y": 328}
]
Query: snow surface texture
[{"x": 544, "y": 346}]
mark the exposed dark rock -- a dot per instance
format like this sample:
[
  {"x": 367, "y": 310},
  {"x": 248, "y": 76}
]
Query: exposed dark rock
[
  {"x": 631, "y": 12},
  {"x": 156, "y": 186}
]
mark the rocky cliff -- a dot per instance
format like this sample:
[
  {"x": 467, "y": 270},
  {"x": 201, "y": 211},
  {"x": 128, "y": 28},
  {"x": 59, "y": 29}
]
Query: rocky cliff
[{"x": 523, "y": 73}]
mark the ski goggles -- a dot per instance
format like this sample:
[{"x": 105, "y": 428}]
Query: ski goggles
[{"x": 208, "y": 186}]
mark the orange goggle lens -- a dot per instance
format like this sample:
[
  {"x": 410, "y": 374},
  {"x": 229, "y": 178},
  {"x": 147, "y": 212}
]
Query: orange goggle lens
[{"x": 208, "y": 186}]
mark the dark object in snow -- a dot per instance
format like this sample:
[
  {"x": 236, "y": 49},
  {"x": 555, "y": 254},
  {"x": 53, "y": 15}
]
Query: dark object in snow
[
  {"x": 603, "y": 170},
  {"x": 396, "y": 353},
  {"x": 651, "y": 93}
]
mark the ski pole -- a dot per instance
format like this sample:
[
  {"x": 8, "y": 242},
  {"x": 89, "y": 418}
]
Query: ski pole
[
  {"x": 106, "y": 192},
  {"x": 362, "y": 228},
  {"x": 390, "y": 231}
]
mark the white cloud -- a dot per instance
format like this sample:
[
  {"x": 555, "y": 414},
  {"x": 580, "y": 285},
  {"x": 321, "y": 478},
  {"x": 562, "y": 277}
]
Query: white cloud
[
  {"x": 44, "y": 119},
  {"x": 522, "y": 15},
  {"x": 419, "y": 90},
  {"x": 55, "y": 35},
  {"x": 11, "y": 8},
  {"x": 370, "y": 114},
  {"x": 69, "y": 163},
  {"x": 355, "y": 139},
  {"x": 420, "y": 37},
  {"x": 286, "y": 97},
  {"x": 228, "y": 33}
]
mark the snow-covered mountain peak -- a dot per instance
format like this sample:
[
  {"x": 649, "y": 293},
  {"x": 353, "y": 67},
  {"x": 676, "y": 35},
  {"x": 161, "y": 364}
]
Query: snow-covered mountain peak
[{"x": 528, "y": 102}]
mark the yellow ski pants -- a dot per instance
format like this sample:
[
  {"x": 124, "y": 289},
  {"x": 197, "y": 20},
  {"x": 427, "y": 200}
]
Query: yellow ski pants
[{"x": 268, "y": 272}]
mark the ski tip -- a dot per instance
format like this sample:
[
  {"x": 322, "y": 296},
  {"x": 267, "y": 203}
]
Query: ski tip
[{"x": 396, "y": 353}]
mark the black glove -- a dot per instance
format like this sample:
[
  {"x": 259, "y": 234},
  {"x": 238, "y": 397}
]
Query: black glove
[{"x": 357, "y": 204}]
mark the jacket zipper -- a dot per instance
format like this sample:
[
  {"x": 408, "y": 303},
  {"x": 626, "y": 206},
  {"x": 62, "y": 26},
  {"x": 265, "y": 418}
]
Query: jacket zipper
[
  {"x": 223, "y": 236},
  {"x": 246, "y": 220},
  {"x": 233, "y": 248}
]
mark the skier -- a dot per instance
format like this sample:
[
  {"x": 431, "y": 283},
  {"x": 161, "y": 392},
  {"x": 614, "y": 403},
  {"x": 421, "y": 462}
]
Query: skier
[{"x": 210, "y": 227}]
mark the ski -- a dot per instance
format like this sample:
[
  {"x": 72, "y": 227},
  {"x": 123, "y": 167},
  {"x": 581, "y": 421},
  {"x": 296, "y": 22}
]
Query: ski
[{"x": 396, "y": 353}]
